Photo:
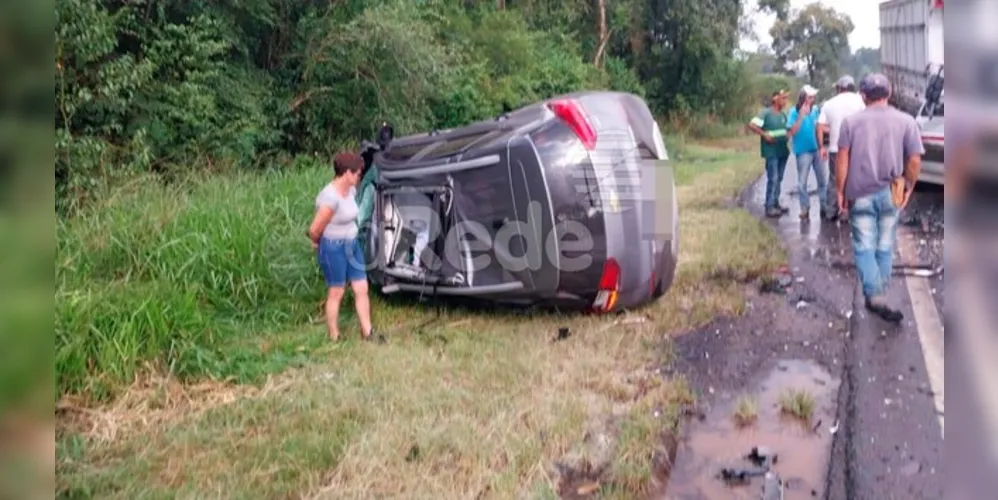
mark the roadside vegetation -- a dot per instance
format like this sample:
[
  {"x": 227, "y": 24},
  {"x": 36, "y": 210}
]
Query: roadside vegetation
[
  {"x": 463, "y": 404},
  {"x": 746, "y": 411},
  {"x": 190, "y": 140},
  {"x": 798, "y": 403}
]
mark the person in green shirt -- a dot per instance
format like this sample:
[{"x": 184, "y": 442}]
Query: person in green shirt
[{"x": 771, "y": 125}]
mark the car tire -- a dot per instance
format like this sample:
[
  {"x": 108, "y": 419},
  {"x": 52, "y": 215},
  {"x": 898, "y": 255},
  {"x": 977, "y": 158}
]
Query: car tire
[{"x": 664, "y": 274}]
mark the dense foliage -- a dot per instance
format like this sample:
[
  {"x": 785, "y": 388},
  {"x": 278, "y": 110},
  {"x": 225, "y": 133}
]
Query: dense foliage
[{"x": 174, "y": 87}]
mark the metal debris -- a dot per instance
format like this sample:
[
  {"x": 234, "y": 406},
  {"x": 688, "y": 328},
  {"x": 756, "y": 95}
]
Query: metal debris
[
  {"x": 763, "y": 460},
  {"x": 922, "y": 271},
  {"x": 772, "y": 487}
]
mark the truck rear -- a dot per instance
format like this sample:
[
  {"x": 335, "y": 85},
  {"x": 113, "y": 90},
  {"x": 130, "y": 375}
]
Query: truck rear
[{"x": 911, "y": 48}]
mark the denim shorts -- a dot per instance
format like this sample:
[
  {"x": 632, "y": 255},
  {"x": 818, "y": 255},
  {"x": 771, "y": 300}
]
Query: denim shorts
[{"x": 341, "y": 261}]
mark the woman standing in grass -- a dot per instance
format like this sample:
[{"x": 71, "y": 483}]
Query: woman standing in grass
[{"x": 334, "y": 236}]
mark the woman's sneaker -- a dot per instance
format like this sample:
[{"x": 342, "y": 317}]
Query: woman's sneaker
[
  {"x": 376, "y": 336},
  {"x": 774, "y": 212}
]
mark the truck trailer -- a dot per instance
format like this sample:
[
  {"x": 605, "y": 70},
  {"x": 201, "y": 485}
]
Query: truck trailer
[
  {"x": 911, "y": 56},
  {"x": 911, "y": 48}
]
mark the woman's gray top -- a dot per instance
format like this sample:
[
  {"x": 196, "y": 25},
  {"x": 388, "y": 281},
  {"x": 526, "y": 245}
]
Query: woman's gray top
[{"x": 343, "y": 225}]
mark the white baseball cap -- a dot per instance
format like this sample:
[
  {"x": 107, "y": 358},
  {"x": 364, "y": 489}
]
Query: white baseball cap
[{"x": 809, "y": 91}]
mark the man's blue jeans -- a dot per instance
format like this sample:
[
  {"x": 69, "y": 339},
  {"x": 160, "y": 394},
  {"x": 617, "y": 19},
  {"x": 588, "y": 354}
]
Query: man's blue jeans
[
  {"x": 874, "y": 227},
  {"x": 806, "y": 162},
  {"x": 776, "y": 166}
]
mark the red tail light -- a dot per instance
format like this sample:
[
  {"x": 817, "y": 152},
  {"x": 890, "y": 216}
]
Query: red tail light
[
  {"x": 571, "y": 113},
  {"x": 609, "y": 286}
]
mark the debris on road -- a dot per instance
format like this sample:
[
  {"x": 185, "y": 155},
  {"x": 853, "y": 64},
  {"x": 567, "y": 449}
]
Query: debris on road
[
  {"x": 777, "y": 283},
  {"x": 634, "y": 320},
  {"x": 772, "y": 487},
  {"x": 742, "y": 474},
  {"x": 762, "y": 460},
  {"x": 563, "y": 333},
  {"x": 923, "y": 271},
  {"x": 762, "y": 457}
]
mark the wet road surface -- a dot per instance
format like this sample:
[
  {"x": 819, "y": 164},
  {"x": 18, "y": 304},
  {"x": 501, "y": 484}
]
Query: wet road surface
[
  {"x": 889, "y": 439},
  {"x": 801, "y": 445}
]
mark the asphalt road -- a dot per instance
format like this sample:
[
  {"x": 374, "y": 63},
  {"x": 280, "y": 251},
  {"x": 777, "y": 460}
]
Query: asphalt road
[
  {"x": 890, "y": 440},
  {"x": 891, "y": 405}
]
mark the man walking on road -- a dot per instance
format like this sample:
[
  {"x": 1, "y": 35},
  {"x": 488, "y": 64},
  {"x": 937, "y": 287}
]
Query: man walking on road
[
  {"x": 771, "y": 125},
  {"x": 801, "y": 123},
  {"x": 845, "y": 103},
  {"x": 878, "y": 162}
]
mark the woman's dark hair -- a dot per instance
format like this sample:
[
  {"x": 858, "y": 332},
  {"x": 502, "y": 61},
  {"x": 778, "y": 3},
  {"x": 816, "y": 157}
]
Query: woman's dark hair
[
  {"x": 801, "y": 96},
  {"x": 347, "y": 162}
]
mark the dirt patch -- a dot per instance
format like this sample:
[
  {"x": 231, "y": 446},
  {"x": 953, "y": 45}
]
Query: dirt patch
[{"x": 801, "y": 446}]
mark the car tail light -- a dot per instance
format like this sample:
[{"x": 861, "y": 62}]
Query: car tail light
[
  {"x": 571, "y": 113},
  {"x": 609, "y": 287}
]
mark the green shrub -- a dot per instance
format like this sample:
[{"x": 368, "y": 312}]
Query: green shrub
[{"x": 170, "y": 274}]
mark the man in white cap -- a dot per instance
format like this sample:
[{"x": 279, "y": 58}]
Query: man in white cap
[
  {"x": 846, "y": 102},
  {"x": 801, "y": 128}
]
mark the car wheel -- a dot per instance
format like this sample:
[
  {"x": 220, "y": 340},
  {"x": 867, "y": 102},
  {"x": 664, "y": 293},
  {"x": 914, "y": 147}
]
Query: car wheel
[{"x": 666, "y": 266}]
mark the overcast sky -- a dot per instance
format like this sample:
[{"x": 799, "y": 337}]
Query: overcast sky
[{"x": 864, "y": 13}]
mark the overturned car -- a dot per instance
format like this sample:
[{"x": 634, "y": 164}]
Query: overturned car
[{"x": 568, "y": 203}]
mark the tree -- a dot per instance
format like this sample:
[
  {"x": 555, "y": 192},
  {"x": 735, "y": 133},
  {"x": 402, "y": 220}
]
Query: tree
[
  {"x": 815, "y": 37},
  {"x": 864, "y": 60},
  {"x": 602, "y": 32},
  {"x": 781, "y": 8}
]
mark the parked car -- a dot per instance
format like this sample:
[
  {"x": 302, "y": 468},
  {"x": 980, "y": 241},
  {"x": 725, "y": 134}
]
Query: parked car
[
  {"x": 931, "y": 125},
  {"x": 569, "y": 202}
]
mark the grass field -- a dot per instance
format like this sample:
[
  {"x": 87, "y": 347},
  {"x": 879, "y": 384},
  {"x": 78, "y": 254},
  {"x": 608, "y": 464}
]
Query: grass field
[{"x": 214, "y": 284}]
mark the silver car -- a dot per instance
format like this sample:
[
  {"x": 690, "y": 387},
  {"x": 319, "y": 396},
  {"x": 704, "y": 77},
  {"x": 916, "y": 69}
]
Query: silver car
[{"x": 931, "y": 120}]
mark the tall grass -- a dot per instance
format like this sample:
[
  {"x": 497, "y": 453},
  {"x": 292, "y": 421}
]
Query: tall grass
[{"x": 179, "y": 277}]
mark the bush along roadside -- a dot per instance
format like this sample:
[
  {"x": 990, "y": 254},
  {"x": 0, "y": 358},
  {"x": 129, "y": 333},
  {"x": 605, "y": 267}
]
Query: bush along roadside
[{"x": 193, "y": 87}]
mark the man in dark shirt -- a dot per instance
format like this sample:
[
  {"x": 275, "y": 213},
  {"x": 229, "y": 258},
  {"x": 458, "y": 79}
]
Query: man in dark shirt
[{"x": 877, "y": 147}]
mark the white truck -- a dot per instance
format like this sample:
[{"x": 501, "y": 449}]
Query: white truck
[{"x": 911, "y": 56}]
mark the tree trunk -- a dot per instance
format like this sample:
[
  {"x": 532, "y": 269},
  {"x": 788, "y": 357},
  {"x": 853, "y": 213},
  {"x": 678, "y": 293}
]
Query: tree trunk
[
  {"x": 500, "y": 4},
  {"x": 602, "y": 31}
]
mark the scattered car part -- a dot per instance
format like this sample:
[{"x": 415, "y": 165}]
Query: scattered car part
[{"x": 772, "y": 487}]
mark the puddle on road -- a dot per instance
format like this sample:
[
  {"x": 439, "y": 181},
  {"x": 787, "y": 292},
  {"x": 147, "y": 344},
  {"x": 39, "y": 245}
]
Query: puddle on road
[{"x": 717, "y": 442}]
